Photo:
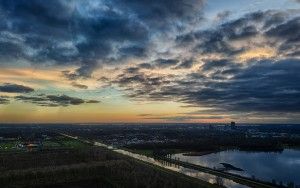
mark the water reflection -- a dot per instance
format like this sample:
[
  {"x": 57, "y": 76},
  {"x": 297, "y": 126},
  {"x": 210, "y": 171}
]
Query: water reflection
[
  {"x": 189, "y": 172},
  {"x": 269, "y": 166},
  {"x": 210, "y": 178}
]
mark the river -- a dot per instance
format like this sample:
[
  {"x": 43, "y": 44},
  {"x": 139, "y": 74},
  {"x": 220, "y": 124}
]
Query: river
[
  {"x": 281, "y": 167},
  {"x": 189, "y": 172}
]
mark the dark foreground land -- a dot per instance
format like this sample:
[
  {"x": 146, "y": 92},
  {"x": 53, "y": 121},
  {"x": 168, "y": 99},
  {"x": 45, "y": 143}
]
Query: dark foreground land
[
  {"x": 37, "y": 156},
  {"x": 65, "y": 163},
  {"x": 91, "y": 167}
]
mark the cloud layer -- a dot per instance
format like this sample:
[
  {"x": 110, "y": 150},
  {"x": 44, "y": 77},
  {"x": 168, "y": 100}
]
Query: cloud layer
[
  {"x": 53, "y": 100},
  {"x": 3, "y": 100},
  {"x": 88, "y": 33},
  {"x": 246, "y": 65},
  {"x": 155, "y": 50},
  {"x": 15, "y": 88}
]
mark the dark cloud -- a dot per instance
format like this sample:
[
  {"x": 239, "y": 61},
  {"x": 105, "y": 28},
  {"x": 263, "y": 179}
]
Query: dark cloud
[
  {"x": 276, "y": 19},
  {"x": 270, "y": 24},
  {"x": 4, "y": 100},
  {"x": 80, "y": 86},
  {"x": 132, "y": 70},
  {"x": 92, "y": 101},
  {"x": 133, "y": 51},
  {"x": 165, "y": 14},
  {"x": 160, "y": 64},
  {"x": 215, "y": 64},
  {"x": 288, "y": 33},
  {"x": 145, "y": 66},
  {"x": 164, "y": 63},
  {"x": 139, "y": 84},
  {"x": 103, "y": 79},
  {"x": 64, "y": 33},
  {"x": 70, "y": 75},
  {"x": 83, "y": 72},
  {"x": 88, "y": 33},
  {"x": 15, "y": 88},
  {"x": 65, "y": 100},
  {"x": 53, "y": 100},
  {"x": 266, "y": 86},
  {"x": 221, "y": 16},
  {"x": 215, "y": 42},
  {"x": 138, "y": 78},
  {"x": 186, "y": 64}
]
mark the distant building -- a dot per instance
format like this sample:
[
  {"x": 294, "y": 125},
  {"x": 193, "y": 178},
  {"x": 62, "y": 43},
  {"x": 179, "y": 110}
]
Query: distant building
[{"x": 232, "y": 125}]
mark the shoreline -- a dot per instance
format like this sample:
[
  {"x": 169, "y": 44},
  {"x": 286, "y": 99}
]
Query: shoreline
[{"x": 200, "y": 153}]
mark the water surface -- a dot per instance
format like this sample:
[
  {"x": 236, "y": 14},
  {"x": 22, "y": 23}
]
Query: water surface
[
  {"x": 189, "y": 172},
  {"x": 280, "y": 166}
]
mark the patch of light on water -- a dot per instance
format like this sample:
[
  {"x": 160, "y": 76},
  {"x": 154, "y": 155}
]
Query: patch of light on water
[{"x": 189, "y": 172}]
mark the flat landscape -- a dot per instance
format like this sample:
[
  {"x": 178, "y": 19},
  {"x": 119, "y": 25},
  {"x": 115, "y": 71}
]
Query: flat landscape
[
  {"x": 153, "y": 155},
  {"x": 65, "y": 162},
  {"x": 149, "y": 93}
]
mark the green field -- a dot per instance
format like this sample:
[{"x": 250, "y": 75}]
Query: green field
[
  {"x": 71, "y": 143},
  {"x": 62, "y": 142},
  {"x": 8, "y": 146},
  {"x": 53, "y": 143},
  {"x": 87, "y": 167}
]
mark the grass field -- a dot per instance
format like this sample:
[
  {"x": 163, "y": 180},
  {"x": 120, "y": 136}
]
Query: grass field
[
  {"x": 52, "y": 143},
  {"x": 88, "y": 167},
  {"x": 8, "y": 146},
  {"x": 71, "y": 143},
  {"x": 62, "y": 142}
]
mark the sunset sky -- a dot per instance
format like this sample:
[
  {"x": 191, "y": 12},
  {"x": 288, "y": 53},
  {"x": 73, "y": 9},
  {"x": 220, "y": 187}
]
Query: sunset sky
[{"x": 150, "y": 61}]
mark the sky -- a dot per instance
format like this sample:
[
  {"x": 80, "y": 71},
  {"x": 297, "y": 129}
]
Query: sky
[{"x": 196, "y": 61}]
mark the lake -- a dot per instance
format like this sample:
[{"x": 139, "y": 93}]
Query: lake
[
  {"x": 193, "y": 173},
  {"x": 189, "y": 172},
  {"x": 279, "y": 166}
]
